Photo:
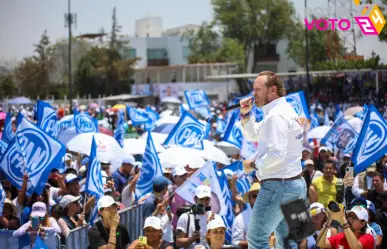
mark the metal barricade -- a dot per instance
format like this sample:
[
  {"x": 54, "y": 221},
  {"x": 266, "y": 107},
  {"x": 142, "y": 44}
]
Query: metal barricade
[
  {"x": 78, "y": 238},
  {"x": 8, "y": 241}
]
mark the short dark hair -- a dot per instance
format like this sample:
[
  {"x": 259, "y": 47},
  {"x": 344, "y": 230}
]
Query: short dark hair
[
  {"x": 274, "y": 80},
  {"x": 329, "y": 161},
  {"x": 377, "y": 173}
]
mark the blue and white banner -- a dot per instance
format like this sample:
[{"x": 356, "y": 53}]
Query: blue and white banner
[
  {"x": 243, "y": 185},
  {"x": 248, "y": 148},
  {"x": 94, "y": 185},
  {"x": 66, "y": 123},
  {"x": 8, "y": 134},
  {"x": 363, "y": 113},
  {"x": 236, "y": 167},
  {"x": 196, "y": 98},
  {"x": 314, "y": 122},
  {"x": 47, "y": 119},
  {"x": 3, "y": 147},
  {"x": 119, "y": 132},
  {"x": 151, "y": 168},
  {"x": 326, "y": 118},
  {"x": 341, "y": 136},
  {"x": 220, "y": 126},
  {"x": 338, "y": 111},
  {"x": 39, "y": 244},
  {"x": 85, "y": 123},
  {"x": 41, "y": 153},
  {"x": 137, "y": 116},
  {"x": 257, "y": 113},
  {"x": 204, "y": 112},
  {"x": 225, "y": 199},
  {"x": 233, "y": 132},
  {"x": 204, "y": 176},
  {"x": 13, "y": 166},
  {"x": 153, "y": 117},
  {"x": 372, "y": 142},
  {"x": 298, "y": 101},
  {"x": 2, "y": 199},
  {"x": 188, "y": 133}
]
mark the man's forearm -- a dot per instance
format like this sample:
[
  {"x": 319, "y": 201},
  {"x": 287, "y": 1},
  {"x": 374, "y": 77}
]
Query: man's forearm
[
  {"x": 243, "y": 244},
  {"x": 112, "y": 239},
  {"x": 350, "y": 236}
]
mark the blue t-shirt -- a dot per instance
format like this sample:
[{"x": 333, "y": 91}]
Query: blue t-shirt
[
  {"x": 120, "y": 180},
  {"x": 377, "y": 228},
  {"x": 148, "y": 207}
]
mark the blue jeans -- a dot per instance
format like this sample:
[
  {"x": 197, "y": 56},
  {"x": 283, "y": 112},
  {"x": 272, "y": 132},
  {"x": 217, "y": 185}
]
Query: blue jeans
[{"x": 267, "y": 215}]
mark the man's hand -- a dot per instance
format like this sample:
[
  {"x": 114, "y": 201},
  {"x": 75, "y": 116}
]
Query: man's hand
[
  {"x": 348, "y": 180},
  {"x": 115, "y": 221},
  {"x": 338, "y": 216},
  {"x": 195, "y": 235},
  {"x": 248, "y": 166},
  {"x": 246, "y": 105}
]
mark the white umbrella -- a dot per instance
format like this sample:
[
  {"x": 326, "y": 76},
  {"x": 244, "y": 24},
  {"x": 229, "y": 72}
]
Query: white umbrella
[
  {"x": 228, "y": 148},
  {"x": 171, "y": 100},
  {"x": 136, "y": 146},
  {"x": 107, "y": 147},
  {"x": 318, "y": 132},
  {"x": 176, "y": 156},
  {"x": 66, "y": 135},
  {"x": 212, "y": 153},
  {"x": 356, "y": 124},
  {"x": 353, "y": 110}
]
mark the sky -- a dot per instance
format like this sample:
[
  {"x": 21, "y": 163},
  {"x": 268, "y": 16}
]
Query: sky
[{"x": 23, "y": 21}]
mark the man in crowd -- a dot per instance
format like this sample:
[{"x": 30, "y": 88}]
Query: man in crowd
[
  {"x": 122, "y": 174},
  {"x": 363, "y": 181},
  {"x": 324, "y": 187},
  {"x": 160, "y": 188}
]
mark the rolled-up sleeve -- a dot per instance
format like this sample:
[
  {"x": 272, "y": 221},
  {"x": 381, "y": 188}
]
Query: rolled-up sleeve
[
  {"x": 250, "y": 129},
  {"x": 237, "y": 231},
  {"x": 356, "y": 191},
  {"x": 275, "y": 131}
]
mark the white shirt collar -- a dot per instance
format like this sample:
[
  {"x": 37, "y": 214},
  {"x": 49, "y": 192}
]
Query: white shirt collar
[{"x": 266, "y": 108}]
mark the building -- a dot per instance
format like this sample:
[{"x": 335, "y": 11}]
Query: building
[
  {"x": 151, "y": 26},
  {"x": 181, "y": 30}
]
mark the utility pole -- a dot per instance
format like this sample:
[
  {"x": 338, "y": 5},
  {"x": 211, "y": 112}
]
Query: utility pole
[
  {"x": 307, "y": 51},
  {"x": 70, "y": 19}
]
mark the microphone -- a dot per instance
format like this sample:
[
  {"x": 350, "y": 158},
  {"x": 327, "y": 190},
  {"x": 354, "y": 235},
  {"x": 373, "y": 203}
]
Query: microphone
[{"x": 232, "y": 107}]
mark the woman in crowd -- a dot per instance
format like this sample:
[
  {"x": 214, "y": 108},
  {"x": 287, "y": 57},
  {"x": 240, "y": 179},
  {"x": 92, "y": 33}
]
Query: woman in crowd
[
  {"x": 45, "y": 226},
  {"x": 216, "y": 234},
  {"x": 154, "y": 234},
  {"x": 70, "y": 219}
]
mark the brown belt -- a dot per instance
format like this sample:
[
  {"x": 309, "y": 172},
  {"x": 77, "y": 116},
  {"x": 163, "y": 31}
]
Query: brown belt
[{"x": 281, "y": 179}]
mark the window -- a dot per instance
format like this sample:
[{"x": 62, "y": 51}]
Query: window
[
  {"x": 185, "y": 53},
  {"x": 157, "y": 54},
  {"x": 132, "y": 53}
]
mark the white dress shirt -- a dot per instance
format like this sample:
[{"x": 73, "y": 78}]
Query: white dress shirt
[
  {"x": 279, "y": 136},
  {"x": 240, "y": 226}
]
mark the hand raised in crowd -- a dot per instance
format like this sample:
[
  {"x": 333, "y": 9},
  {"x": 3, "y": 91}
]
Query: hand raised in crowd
[
  {"x": 246, "y": 105},
  {"x": 195, "y": 235},
  {"x": 115, "y": 220},
  {"x": 348, "y": 180},
  {"x": 337, "y": 216},
  {"x": 80, "y": 220},
  {"x": 211, "y": 217},
  {"x": 142, "y": 246},
  {"x": 25, "y": 178},
  {"x": 110, "y": 184}
]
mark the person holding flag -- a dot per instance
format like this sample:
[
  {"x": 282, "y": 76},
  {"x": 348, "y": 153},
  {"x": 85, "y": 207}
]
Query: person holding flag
[{"x": 277, "y": 161}]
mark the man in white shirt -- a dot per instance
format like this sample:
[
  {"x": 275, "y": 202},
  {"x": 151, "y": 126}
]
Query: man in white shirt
[{"x": 277, "y": 160}]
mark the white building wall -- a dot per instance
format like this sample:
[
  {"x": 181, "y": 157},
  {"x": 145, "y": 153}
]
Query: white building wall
[{"x": 151, "y": 26}]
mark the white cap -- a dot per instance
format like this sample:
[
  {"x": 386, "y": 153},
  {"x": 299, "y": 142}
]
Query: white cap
[
  {"x": 70, "y": 178},
  {"x": 82, "y": 169},
  {"x": 317, "y": 206},
  {"x": 68, "y": 157},
  {"x": 106, "y": 201},
  {"x": 203, "y": 191},
  {"x": 361, "y": 213},
  {"x": 215, "y": 223},
  {"x": 347, "y": 155},
  {"x": 322, "y": 148},
  {"x": 67, "y": 199},
  {"x": 153, "y": 221},
  {"x": 105, "y": 160},
  {"x": 229, "y": 173},
  {"x": 179, "y": 171},
  {"x": 138, "y": 164},
  {"x": 129, "y": 159},
  {"x": 309, "y": 161}
]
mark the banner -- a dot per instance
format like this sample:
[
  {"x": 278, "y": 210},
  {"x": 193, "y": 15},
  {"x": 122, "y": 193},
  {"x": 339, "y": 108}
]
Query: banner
[
  {"x": 47, "y": 119},
  {"x": 298, "y": 101},
  {"x": 119, "y": 132},
  {"x": 138, "y": 117},
  {"x": 153, "y": 116},
  {"x": 85, "y": 123},
  {"x": 94, "y": 185},
  {"x": 197, "y": 98},
  {"x": 8, "y": 133},
  {"x": 248, "y": 148},
  {"x": 233, "y": 132}
]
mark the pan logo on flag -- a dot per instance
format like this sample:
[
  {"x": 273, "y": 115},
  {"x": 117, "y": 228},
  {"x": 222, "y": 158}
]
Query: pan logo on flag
[
  {"x": 296, "y": 104},
  {"x": 189, "y": 135},
  {"x": 96, "y": 172},
  {"x": 147, "y": 172},
  {"x": 16, "y": 171},
  {"x": 375, "y": 136},
  {"x": 134, "y": 115},
  {"x": 49, "y": 123},
  {"x": 8, "y": 130},
  {"x": 237, "y": 134},
  {"x": 197, "y": 98},
  {"x": 85, "y": 123},
  {"x": 37, "y": 149}
]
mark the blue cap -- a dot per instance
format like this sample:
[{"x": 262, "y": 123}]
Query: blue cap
[
  {"x": 160, "y": 183},
  {"x": 85, "y": 160},
  {"x": 359, "y": 202},
  {"x": 371, "y": 206}
]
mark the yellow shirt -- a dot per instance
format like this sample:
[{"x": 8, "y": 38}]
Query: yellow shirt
[{"x": 326, "y": 191}]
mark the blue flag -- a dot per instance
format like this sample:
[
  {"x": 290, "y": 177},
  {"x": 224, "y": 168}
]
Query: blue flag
[
  {"x": 326, "y": 118},
  {"x": 243, "y": 185},
  {"x": 233, "y": 132},
  {"x": 196, "y": 98},
  {"x": 372, "y": 142},
  {"x": 228, "y": 217},
  {"x": 94, "y": 184},
  {"x": 3, "y": 147},
  {"x": 338, "y": 112},
  {"x": 363, "y": 113},
  {"x": 314, "y": 122},
  {"x": 204, "y": 112},
  {"x": 13, "y": 166},
  {"x": 39, "y": 244},
  {"x": 41, "y": 153},
  {"x": 47, "y": 119},
  {"x": 298, "y": 101},
  {"x": 85, "y": 123},
  {"x": 187, "y": 133},
  {"x": 119, "y": 132},
  {"x": 341, "y": 136},
  {"x": 66, "y": 123},
  {"x": 8, "y": 134},
  {"x": 137, "y": 116},
  {"x": 235, "y": 167},
  {"x": 153, "y": 117},
  {"x": 151, "y": 168}
]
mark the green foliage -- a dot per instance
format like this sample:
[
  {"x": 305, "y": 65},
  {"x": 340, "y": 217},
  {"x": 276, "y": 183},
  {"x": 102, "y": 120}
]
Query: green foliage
[
  {"x": 7, "y": 86},
  {"x": 372, "y": 63}
]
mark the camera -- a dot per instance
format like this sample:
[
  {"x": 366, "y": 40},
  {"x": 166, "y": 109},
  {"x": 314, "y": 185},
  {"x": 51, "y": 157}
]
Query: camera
[
  {"x": 334, "y": 207},
  {"x": 193, "y": 209}
]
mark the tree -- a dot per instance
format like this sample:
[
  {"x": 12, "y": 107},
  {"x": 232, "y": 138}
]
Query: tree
[
  {"x": 383, "y": 34},
  {"x": 7, "y": 86},
  {"x": 114, "y": 34},
  {"x": 255, "y": 24}
]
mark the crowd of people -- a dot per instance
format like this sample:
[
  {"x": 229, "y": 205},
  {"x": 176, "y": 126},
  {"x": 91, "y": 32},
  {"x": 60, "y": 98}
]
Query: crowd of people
[{"x": 172, "y": 222}]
